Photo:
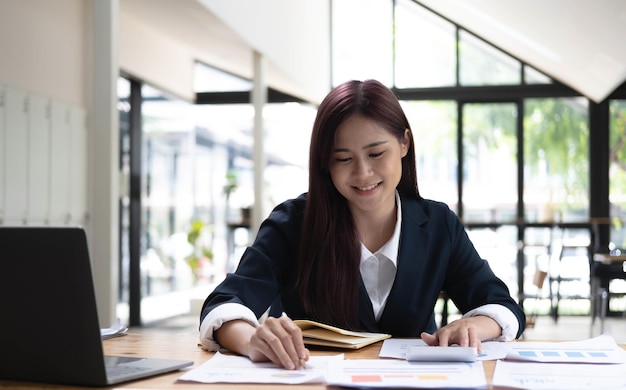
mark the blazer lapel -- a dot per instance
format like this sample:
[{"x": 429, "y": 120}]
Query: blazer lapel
[
  {"x": 406, "y": 292},
  {"x": 366, "y": 311}
]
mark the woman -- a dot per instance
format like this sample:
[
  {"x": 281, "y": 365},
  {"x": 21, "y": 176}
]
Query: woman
[{"x": 362, "y": 250}]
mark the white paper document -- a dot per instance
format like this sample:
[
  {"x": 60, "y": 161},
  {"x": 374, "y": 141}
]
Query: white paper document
[
  {"x": 116, "y": 330},
  {"x": 394, "y": 373},
  {"x": 555, "y": 376},
  {"x": 239, "y": 369},
  {"x": 598, "y": 350}
]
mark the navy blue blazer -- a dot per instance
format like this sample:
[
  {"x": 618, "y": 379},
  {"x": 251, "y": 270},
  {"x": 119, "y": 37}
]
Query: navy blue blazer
[{"x": 435, "y": 254}]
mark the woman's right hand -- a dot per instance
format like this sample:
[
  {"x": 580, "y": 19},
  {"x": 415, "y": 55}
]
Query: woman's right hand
[{"x": 280, "y": 341}]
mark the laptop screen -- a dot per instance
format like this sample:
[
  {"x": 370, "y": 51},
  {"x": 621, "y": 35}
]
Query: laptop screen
[{"x": 50, "y": 330}]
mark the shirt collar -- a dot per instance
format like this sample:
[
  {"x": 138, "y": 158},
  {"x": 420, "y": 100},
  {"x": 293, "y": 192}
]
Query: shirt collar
[{"x": 390, "y": 249}]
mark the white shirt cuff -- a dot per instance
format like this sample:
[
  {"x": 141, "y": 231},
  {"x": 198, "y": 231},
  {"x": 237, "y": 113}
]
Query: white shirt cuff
[
  {"x": 500, "y": 314},
  {"x": 220, "y": 315}
]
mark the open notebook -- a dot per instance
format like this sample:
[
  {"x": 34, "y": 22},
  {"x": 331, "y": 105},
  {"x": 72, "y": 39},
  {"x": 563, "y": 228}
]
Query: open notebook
[{"x": 50, "y": 331}]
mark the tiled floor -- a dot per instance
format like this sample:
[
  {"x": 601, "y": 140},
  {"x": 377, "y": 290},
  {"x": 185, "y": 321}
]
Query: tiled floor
[{"x": 576, "y": 328}]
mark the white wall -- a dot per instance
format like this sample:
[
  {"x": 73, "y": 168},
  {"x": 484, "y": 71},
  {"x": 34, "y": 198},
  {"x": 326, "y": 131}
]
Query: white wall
[
  {"x": 43, "y": 48},
  {"x": 154, "y": 57}
]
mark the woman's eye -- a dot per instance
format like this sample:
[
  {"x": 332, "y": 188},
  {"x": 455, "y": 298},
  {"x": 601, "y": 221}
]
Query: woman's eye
[
  {"x": 375, "y": 155},
  {"x": 343, "y": 160}
]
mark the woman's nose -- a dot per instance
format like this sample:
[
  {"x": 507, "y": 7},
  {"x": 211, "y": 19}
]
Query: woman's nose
[{"x": 362, "y": 168}]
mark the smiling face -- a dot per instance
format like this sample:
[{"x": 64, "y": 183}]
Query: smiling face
[{"x": 366, "y": 165}]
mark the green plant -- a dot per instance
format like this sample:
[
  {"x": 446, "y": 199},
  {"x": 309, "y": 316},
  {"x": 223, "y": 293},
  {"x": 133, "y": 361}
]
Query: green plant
[
  {"x": 232, "y": 182},
  {"x": 197, "y": 236}
]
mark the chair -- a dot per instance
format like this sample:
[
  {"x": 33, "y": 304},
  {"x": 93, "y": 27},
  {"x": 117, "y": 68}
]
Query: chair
[
  {"x": 538, "y": 281},
  {"x": 605, "y": 269},
  {"x": 569, "y": 274}
]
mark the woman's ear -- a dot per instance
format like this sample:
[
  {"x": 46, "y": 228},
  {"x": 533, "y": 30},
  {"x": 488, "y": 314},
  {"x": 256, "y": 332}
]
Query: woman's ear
[{"x": 406, "y": 142}]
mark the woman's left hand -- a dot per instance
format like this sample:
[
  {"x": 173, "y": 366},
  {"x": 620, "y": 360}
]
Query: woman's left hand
[{"x": 466, "y": 332}]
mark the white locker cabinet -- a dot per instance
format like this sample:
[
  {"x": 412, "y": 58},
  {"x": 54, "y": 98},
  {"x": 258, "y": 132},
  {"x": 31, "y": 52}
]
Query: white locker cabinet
[
  {"x": 2, "y": 151},
  {"x": 39, "y": 160},
  {"x": 59, "y": 163},
  {"x": 78, "y": 166},
  {"x": 16, "y": 156}
]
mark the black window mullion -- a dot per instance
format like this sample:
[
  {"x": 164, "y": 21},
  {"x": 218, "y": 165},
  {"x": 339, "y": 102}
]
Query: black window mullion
[{"x": 134, "y": 241}]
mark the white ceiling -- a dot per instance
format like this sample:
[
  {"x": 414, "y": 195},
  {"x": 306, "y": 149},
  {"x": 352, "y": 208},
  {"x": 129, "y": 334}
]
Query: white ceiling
[
  {"x": 190, "y": 29},
  {"x": 577, "y": 42},
  {"x": 580, "y": 43}
]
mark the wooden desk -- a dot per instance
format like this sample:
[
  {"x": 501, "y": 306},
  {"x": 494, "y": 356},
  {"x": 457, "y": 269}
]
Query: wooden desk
[{"x": 152, "y": 343}]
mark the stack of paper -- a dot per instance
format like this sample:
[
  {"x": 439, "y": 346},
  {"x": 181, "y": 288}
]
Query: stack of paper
[{"x": 116, "y": 330}]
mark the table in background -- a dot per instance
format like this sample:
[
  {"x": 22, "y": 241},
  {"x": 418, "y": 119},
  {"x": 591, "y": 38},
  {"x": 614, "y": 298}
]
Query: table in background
[{"x": 605, "y": 267}]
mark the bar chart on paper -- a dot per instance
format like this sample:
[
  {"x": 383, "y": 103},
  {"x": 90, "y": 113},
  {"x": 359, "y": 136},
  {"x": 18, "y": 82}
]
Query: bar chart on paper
[
  {"x": 529, "y": 375},
  {"x": 599, "y": 350},
  {"x": 400, "y": 373}
]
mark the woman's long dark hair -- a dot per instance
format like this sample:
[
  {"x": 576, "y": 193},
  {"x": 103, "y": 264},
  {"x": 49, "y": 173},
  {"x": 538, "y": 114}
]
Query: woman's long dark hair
[{"x": 330, "y": 251}]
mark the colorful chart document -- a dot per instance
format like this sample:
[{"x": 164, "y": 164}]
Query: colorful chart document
[
  {"x": 393, "y": 373},
  {"x": 540, "y": 376},
  {"x": 598, "y": 350}
]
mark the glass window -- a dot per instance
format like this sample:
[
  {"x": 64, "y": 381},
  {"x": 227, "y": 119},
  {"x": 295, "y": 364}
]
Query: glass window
[
  {"x": 483, "y": 64},
  {"x": 499, "y": 247},
  {"x": 187, "y": 239},
  {"x": 556, "y": 160},
  {"x": 617, "y": 172},
  {"x": 191, "y": 154},
  {"x": 167, "y": 206},
  {"x": 490, "y": 162},
  {"x": 224, "y": 138},
  {"x": 537, "y": 250},
  {"x": 123, "y": 108},
  {"x": 490, "y": 184},
  {"x": 425, "y": 52},
  {"x": 362, "y": 40},
  {"x": 209, "y": 79},
  {"x": 533, "y": 76},
  {"x": 434, "y": 130},
  {"x": 287, "y": 171}
]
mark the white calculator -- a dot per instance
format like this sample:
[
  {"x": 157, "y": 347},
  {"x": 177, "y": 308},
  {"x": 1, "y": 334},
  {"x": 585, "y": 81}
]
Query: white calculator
[{"x": 424, "y": 353}]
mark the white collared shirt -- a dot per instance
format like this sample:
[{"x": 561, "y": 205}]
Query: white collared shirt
[{"x": 378, "y": 270}]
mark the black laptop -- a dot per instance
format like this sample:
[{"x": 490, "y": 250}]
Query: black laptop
[{"x": 49, "y": 329}]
